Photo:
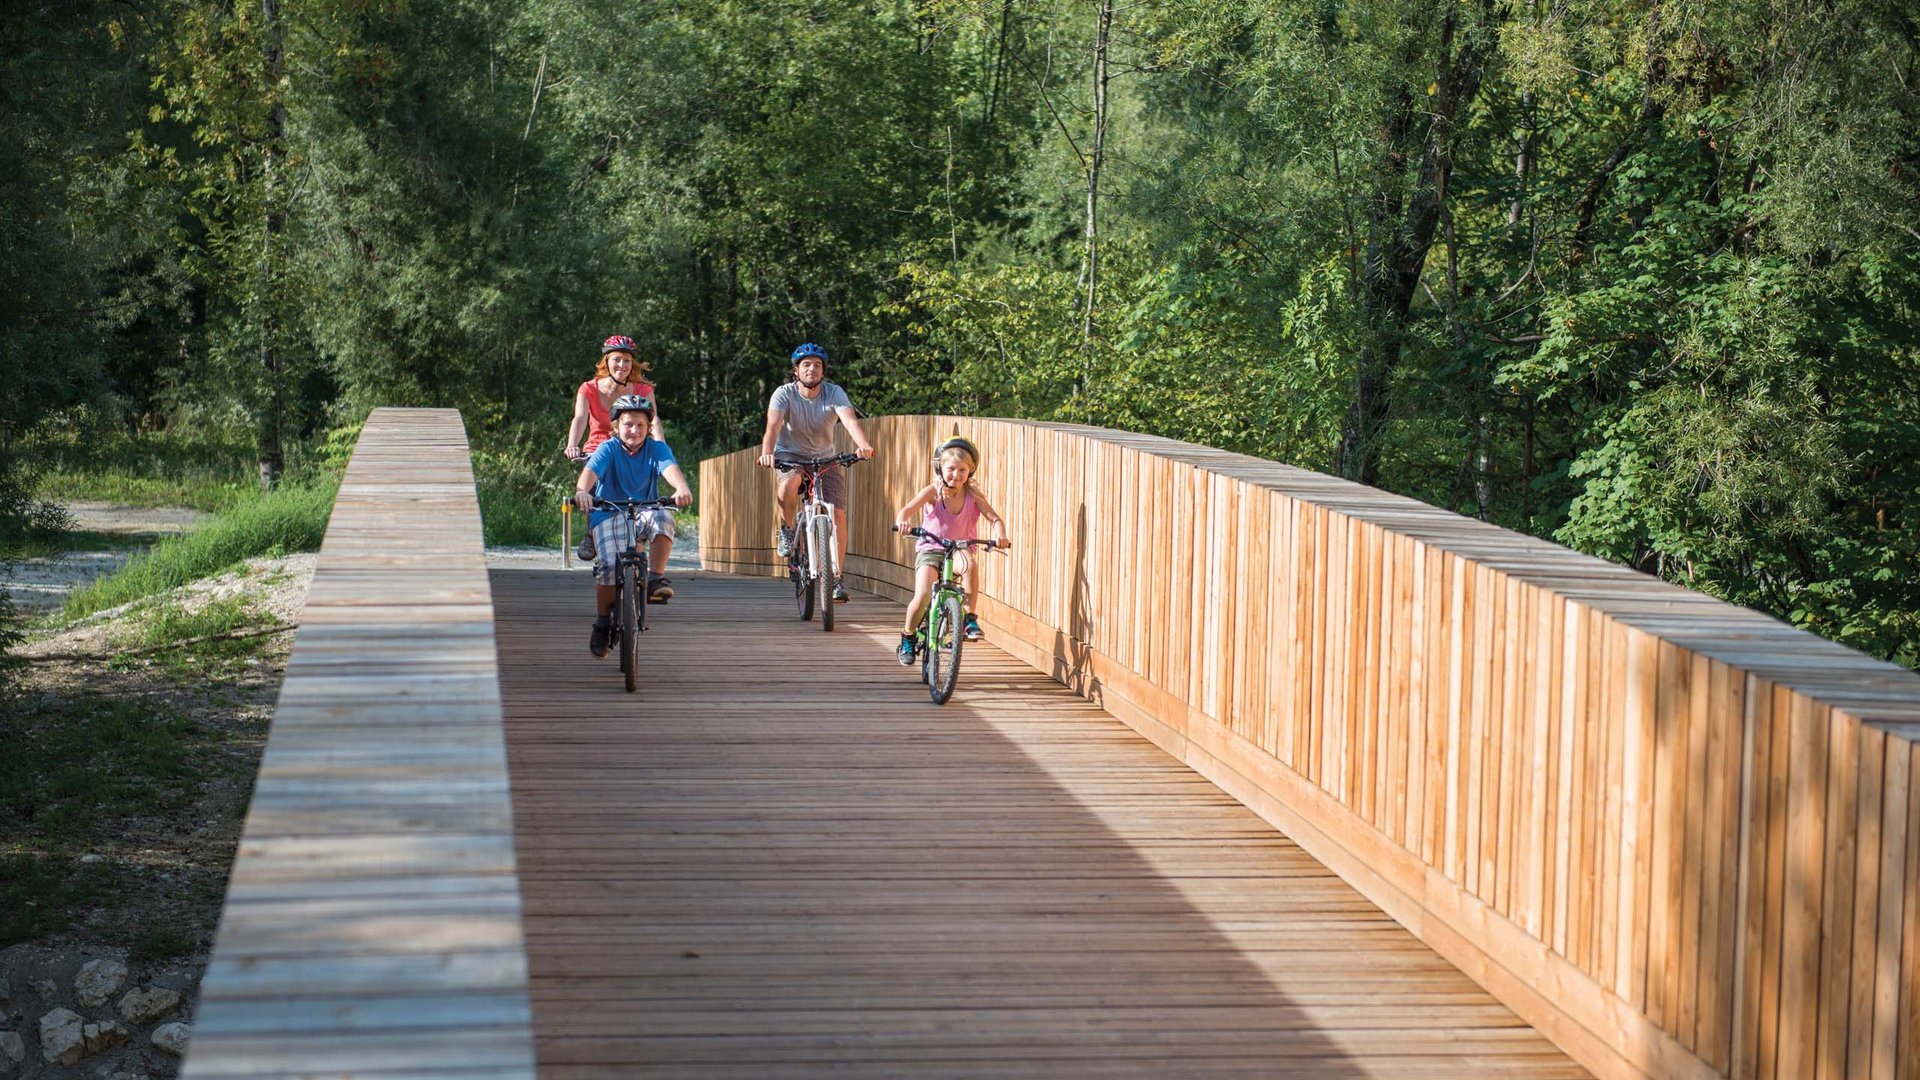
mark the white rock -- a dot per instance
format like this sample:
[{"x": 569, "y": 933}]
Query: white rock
[
  {"x": 13, "y": 1049},
  {"x": 62, "y": 1041},
  {"x": 172, "y": 1037},
  {"x": 97, "y": 981},
  {"x": 147, "y": 1004},
  {"x": 91, "y": 859},
  {"x": 104, "y": 1035}
]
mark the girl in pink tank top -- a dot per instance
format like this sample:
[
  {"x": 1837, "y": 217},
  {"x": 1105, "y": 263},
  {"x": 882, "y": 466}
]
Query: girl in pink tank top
[{"x": 950, "y": 508}]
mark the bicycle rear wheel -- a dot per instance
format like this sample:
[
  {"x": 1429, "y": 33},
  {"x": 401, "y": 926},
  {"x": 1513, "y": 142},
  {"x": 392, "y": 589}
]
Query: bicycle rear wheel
[
  {"x": 797, "y": 570},
  {"x": 943, "y": 652},
  {"x": 823, "y": 584},
  {"x": 631, "y": 600}
]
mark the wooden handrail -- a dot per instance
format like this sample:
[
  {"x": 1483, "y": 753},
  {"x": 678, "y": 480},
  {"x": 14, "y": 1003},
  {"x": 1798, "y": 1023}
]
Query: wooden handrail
[
  {"x": 1679, "y": 837},
  {"x": 372, "y": 922}
]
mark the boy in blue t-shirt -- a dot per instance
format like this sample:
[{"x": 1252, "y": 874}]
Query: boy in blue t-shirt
[{"x": 628, "y": 467}]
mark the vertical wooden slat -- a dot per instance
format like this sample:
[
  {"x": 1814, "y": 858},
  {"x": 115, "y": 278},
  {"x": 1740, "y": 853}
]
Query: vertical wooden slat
[
  {"x": 1871, "y": 754},
  {"x": 1836, "y": 906},
  {"x": 1807, "y": 733},
  {"x": 1719, "y": 929},
  {"x": 1896, "y": 861}
]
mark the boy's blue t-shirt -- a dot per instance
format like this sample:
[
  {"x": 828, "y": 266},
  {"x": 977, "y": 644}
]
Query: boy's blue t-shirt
[{"x": 624, "y": 475}]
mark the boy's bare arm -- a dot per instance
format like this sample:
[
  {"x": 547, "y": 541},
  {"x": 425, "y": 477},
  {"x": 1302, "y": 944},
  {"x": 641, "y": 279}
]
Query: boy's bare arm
[
  {"x": 583, "y": 489},
  {"x": 682, "y": 491}
]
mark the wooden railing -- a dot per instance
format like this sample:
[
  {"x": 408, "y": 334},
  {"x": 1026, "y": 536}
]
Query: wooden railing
[
  {"x": 372, "y": 923},
  {"x": 1676, "y": 836}
]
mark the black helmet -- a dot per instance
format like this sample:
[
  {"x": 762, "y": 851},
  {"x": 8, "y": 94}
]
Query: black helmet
[{"x": 630, "y": 403}]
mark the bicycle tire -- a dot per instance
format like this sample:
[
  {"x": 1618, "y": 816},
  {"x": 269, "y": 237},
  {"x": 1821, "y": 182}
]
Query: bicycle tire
[
  {"x": 943, "y": 652},
  {"x": 630, "y": 600},
  {"x": 797, "y": 569},
  {"x": 823, "y": 585}
]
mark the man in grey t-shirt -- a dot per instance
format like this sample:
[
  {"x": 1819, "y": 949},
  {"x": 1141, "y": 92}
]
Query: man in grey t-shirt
[{"x": 800, "y": 424}]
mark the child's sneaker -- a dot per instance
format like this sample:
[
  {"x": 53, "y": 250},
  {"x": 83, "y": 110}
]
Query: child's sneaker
[
  {"x": 585, "y": 550},
  {"x": 786, "y": 542},
  {"x": 905, "y": 651},
  {"x": 659, "y": 589},
  {"x": 597, "y": 644},
  {"x": 839, "y": 591},
  {"x": 971, "y": 628}
]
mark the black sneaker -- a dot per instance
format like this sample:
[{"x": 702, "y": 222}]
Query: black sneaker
[
  {"x": 785, "y": 545},
  {"x": 905, "y": 652},
  {"x": 839, "y": 591},
  {"x": 597, "y": 644},
  {"x": 659, "y": 589},
  {"x": 585, "y": 550}
]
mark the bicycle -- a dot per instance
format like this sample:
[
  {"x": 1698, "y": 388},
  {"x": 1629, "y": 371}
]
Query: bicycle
[
  {"x": 810, "y": 557},
  {"x": 630, "y": 585},
  {"x": 939, "y": 639}
]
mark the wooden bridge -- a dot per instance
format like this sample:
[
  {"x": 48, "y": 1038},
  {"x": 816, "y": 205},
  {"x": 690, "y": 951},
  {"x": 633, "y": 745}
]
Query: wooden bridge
[{"x": 1261, "y": 774}]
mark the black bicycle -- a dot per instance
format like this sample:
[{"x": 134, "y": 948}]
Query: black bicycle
[
  {"x": 630, "y": 585},
  {"x": 810, "y": 559}
]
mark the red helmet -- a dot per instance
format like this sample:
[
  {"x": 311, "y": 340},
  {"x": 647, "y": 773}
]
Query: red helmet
[{"x": 619, "y": 343}]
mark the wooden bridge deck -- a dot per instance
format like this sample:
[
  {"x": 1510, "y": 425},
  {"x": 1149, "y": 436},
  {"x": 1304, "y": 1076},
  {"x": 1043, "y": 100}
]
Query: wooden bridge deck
[{"x": 778, "y": 859}]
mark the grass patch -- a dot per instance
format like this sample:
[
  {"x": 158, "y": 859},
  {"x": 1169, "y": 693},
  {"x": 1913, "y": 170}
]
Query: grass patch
[
  {"x": 520, "y": 496},
  {"x": 70, "y": 774},
  {"x": 167, "y": 623},
  {"x": 158, "y": 944},
  {"x": 273, "y": 523}
]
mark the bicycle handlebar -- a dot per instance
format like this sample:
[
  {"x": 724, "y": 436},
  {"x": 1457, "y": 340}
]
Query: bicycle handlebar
[
  {"x": 788, "y": 464},
  {"x": 635, "y": 504},
  {"x": 951, "y": 545}
]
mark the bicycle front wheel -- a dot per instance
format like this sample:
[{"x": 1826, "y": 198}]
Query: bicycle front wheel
[
  {"x": 632, "y": 581},
  {"x": 823, "y": 584},
  {"x": 943, "y": 652},
  {"x": 797, "y": 570}
]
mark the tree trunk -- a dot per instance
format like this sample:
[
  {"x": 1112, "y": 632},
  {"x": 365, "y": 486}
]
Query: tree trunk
[
  {"x": 271, "y": 451},
  {"x": 1095, "y": 157},
  {"x": 1400, "y": 233}
]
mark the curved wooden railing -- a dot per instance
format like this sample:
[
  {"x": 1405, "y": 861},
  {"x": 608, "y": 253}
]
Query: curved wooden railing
[
  {"x": 1676, "y": 836},
  {"x": 372, "y": 922}
]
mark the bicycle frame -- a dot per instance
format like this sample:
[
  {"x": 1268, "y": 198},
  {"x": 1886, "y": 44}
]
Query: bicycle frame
[{"x": 815, "y": 534}]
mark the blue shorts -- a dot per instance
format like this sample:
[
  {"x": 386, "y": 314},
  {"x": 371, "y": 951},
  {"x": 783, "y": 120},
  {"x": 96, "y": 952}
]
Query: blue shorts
[{"x": 613, "y": 536}]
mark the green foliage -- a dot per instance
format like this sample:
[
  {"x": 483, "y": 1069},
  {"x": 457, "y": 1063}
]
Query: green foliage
[
  {"x": 272, "y": 523},
  {"x": 1639, "y": 277}
]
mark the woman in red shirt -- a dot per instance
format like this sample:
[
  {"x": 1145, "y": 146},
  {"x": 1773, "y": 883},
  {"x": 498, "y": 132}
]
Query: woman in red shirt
[{"x": 619, "y": 373}]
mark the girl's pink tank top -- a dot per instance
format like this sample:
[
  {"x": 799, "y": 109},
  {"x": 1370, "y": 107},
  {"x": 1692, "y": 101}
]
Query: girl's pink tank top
[{"x": 949, "y": 525}]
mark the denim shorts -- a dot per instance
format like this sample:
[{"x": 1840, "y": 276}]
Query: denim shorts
[{"x": 613, "y": 536}]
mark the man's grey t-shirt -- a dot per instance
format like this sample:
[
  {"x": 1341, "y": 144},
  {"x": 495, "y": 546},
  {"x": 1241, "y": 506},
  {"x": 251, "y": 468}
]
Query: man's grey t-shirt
[{"x": 808, "y": 432}]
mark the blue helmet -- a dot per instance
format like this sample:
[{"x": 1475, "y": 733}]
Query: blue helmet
[{"x": 809, "y": 349}]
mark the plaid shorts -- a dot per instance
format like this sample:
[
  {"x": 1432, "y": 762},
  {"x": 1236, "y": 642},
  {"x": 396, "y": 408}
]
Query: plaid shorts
[{"x": 613, "y": 536}]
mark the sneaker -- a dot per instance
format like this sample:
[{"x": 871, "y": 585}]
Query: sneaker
[
  {"x": 597, "y": 644},
  {"x": 786, "y": 542},
  {"x": 971, "y": 628},
  {"x": 839, "y": 591},
  {"x": 585, "y": 550},
  {"x": 905, "y": 652},
  {"x": 659, "y": 589}
]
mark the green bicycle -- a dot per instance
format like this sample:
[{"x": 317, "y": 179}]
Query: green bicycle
[{"x": 940, "y": 637}]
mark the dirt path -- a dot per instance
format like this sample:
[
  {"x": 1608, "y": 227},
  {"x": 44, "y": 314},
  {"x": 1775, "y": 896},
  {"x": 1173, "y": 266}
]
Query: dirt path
[{"x": 42, "y": 583}]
